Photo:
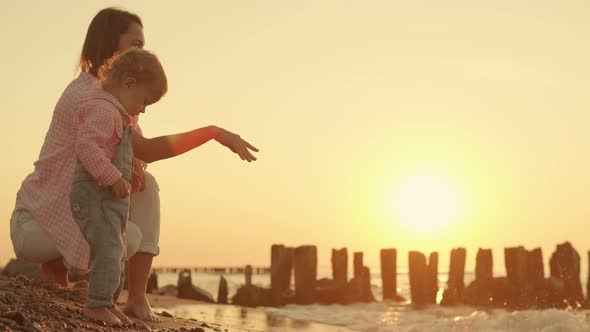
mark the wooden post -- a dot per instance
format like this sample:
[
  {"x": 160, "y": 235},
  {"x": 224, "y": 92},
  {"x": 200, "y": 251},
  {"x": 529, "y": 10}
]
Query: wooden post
[
  {"x": 431, "y": 281},
  {"x": 281, "y": 266},
  {"x": 535, "y": 269},
  {"x": 565, "y": 265},
  {"x": 457, "y": 269},
  {"x": 222, "y": 292},
  {"x": 248, "y": 275},
  {"x": 516, "y": 265},
  {"x": 340, "y": 266},
  {"x": 305, "y": 262},
  {"x": 417, "y": 265},
  {"x": 453, "y": 295},
  {"x": 184, "y": 277},
  {"x": 152, "y": 283},
  {"x": 515, "y": 259},
  {"x": 484, "y": 265},
  {"x": 358, "y": 264},
  {"x": 423, "y": 277},
  {"x": 389, "y": 273},
  {"x": 367, "y": 293},
  {"x": 184, "y": 284},
  {"x": 588, "y": 283}
]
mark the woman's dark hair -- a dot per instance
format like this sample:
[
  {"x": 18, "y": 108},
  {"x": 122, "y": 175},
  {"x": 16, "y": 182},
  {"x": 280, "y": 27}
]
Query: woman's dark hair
[{"x": 102, "y": 37}]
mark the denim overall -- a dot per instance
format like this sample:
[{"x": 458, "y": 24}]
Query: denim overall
[{"x": 103, "y": 221}]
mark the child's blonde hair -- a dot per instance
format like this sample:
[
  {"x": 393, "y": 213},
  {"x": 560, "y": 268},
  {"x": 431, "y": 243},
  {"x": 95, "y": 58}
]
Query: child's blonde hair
[{"x": 143, "y": 65}]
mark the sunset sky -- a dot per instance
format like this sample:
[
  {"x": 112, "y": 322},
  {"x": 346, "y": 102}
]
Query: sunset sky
[{"x": 417, "y": 125}]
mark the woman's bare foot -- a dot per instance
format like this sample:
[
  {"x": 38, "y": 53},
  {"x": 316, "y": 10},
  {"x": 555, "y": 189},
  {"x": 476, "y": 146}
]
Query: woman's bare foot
[
  {"x": 102, "y": 314},
  {"x": 55, "y": 271},
  {"x": 139, "y": 307},
  {"x": 122, "y": 317}
]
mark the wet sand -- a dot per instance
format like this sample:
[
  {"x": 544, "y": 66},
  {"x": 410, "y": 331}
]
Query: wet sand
[
  {"x": 233, "y": 317},
  {"x": 249, "y": 319},
  {"x": 29, "y": 305}
]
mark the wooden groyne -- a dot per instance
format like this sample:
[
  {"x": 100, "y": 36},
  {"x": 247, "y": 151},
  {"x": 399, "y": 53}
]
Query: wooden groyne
[
  {"x": 209, "y": 269},
  {"x": 293, "y": 276},
  {"x": 524, "y": 286}
]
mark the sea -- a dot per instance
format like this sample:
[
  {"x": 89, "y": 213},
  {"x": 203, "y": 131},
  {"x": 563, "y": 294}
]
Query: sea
[{"x": 372, "y": 317}]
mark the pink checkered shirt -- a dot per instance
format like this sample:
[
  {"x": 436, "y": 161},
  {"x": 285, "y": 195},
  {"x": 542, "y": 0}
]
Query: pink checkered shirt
[
  {"x": 45, "y": 192},
  {"x": 100, "y": 129}
]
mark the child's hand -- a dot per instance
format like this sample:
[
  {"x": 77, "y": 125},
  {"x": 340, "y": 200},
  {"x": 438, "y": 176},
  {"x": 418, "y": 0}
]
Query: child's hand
[
  {"x": 236, "y": 144},
  {"x": 121, "y": 188},
  {"x": 138, "y": 176}
]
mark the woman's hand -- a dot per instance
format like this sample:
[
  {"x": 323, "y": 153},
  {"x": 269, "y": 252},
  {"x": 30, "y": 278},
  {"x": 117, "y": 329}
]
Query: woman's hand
[
  {"x": 121, "y": 188},
  {"x": 138, "y": 175},
  {"x": 236, "y": 144}
]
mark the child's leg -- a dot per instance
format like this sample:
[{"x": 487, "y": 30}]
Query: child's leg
[
  {"x": 117, "y": 213},
  {"x": 100, "y": 220},
  {"x": 107, "y": 266},
  {"x": 122, "y": 317},
  {"x": 107, "y": 251}
]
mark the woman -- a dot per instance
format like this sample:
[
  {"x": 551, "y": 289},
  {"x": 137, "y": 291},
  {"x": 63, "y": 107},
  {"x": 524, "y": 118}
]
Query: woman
[{"x": 42, "y": 228}]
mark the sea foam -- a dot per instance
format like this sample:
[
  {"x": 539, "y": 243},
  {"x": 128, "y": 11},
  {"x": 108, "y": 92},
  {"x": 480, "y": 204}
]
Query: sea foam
[{"x": 386, "y": 317}]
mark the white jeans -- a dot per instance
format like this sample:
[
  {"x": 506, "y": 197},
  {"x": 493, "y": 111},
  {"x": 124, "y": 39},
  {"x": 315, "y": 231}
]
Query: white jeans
[{"x": 143, "y": 230}]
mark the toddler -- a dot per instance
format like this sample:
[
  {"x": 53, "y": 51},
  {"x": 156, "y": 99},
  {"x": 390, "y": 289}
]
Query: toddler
[{"x": 99, "y": 199}]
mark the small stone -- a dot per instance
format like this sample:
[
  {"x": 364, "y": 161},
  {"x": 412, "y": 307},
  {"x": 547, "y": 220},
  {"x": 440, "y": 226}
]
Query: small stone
[
  {"x": 16, "y": 316},
  {"x": 32, "y": 326},
  {"x": 167, "y": 314},
  {"x": 143, "y": 326},
  {"x": 37, "y": 327},
  {"x": 9, "y": 322}
]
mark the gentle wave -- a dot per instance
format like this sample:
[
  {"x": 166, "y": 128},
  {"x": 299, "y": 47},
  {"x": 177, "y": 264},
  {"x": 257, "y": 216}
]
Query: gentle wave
[{"x": 386, "y": 317}]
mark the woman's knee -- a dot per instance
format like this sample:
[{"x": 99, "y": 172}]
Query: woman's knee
[
  {"x": 134, "y": 236},
  {"x": 150, "y": 183},
  {"x": 145, "y": 213},
  {"x": 149, "y": 198},
  {"x": 29, "y": 241}
]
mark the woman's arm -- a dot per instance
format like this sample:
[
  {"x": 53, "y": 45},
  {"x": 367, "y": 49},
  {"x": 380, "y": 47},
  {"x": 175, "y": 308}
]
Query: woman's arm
[{"x": 164, "y": 147}]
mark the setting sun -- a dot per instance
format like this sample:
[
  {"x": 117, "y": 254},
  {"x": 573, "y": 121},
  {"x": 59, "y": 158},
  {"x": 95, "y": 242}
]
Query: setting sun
[{"x": 426, "y": 203}]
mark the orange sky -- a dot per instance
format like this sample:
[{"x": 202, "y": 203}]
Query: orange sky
[{"x": 346, "y": 100}]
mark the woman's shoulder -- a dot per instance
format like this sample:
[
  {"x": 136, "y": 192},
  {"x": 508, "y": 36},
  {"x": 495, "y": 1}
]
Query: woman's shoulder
[{"x": 80, "y": 86}]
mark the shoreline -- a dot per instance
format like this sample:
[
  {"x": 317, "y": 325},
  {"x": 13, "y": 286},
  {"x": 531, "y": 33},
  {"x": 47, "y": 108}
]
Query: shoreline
[
  {"x": 232, "y": 316},
  {"x": 250, "y": 319},
  {"x": 29, "y": 305}
]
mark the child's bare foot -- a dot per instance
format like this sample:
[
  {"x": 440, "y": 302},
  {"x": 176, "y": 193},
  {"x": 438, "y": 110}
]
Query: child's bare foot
[
  {"x": 139, "y": 307},
  {"x": 122, "y": 317},
  {"x": 102, "y": 314}
]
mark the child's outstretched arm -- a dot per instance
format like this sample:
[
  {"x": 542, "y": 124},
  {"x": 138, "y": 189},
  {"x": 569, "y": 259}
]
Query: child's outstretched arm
[{"x": 164, "y": 147}]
